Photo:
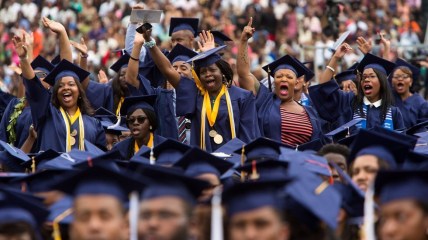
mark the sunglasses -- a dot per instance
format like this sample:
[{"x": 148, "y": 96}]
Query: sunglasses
[
  {"x": 40, "y": 74},
  {"x": 140, "y": 120}
]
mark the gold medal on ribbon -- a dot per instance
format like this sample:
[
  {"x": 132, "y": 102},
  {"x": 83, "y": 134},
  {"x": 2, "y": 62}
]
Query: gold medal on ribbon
[
  {"x": 72, "y": 140},
  {"x": 73, "y": 133},
  {"x": 212, "y": 133},
  {"x": 218, "y": 139}
]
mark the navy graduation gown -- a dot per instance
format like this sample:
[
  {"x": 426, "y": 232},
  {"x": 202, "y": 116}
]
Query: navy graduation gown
[
  {"x": 164, "y": 107},
  {"x": 22, "y": 126},
  {"x": 189, "y": 104},
  {"x": 100, "y": 95},
  {"x": 269, "y": 117},
  {"x": 414, "y": 109},
  {"x": 126, "y": 146},
  {"x": 49, "y": 123},
  {"x": 5, "y": 98},
  {"x": 335, "y": 106}
]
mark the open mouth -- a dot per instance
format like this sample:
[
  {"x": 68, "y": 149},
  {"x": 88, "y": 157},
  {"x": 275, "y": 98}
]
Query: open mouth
[
  {"x": 283, "y": 89},
  {"x": 400, "y": 86},
  {"x": 368, "y": 89},
  {"x": 210, "y": 83},
  {"x": 66, "y": 97}
]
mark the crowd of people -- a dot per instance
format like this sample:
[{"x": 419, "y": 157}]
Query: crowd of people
[{"x": 206, "y": 125}]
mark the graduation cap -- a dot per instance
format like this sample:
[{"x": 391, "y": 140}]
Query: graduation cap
[
  {"x": 14, "y": 158},
  {"x": 56, "y": 60},
  {"x": 310, "y": 199},
  {"x": 390, "y": 148},
  {"x": 8, "y": 179},
  {"x": 308, "y": 72},
  {"x": 59, "y": 208},
  {"x": 179, "y": 24},
  {"x": 130, "y": 104},
  {"x": 207, "y": 58},
  {"x": 262, "y": 148},
  {"x": 227, "y": 150},
  {"x": 264, "y": 169},
  {"x": 352, "y": 197},
  {"x": 417, "y": 128},
  {"x": 42, "y": 181},
  {"x": 64, "y": 161},
  {"x": 348, "y": 74},
  {"x": 40, "y": 63},
  {"x": 171, "y": 182},
  {"x": 197, "y": 161},
  {"x": 409, "y": 139},
  {"x": 41, "y": 158},
  {"x": 313, "y": 145},
  {"x": 286, "y": 62},
  {"x": 107, "y": 160},
  {"x": 20, "y": 207},
  {"x": 311, "y": 162},
  {"x": 64, "y": 69},
  {"x": 372, "y": 61},
  {"x": 400, "y": 184},
  {"x": 180, "y": 53},
  {"x": 415, "y": 70},
  {"x": 251, "y": 195},
  {"x": 121, "y": 62},
  {"x": 416, "y": 161},
  {"x": 344, "y": 131},
  {"x": 220, "y": 38},
  {"x": 98, "y": 180},
  {"x": 107, "y": 120},
  {"x": 168, "y": 152}
]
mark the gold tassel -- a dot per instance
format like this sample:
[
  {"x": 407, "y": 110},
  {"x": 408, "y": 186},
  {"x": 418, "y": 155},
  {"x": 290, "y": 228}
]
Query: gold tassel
[
  {"x": 242, "y": 162},
  {"x": 197, "y": 81},
  {"x": 33, "y": 164},
  {"x": 56, "y": 234}
]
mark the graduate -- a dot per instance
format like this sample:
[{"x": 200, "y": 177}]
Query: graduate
[
  {"x": 15, "y": 126},
  {"x": 113, "y": 132},
  {"x": 373, "y": 102},
  {"x": 62, "y": 119},
  {"x": 413, "y": 106},
  {"x": 280, "y": 117},
  {"x": 403, "y": 202},
  {"x": 167, "y": 205},
  {"x": 300, "y": 89},
  {"x": 142, "y": 121}
]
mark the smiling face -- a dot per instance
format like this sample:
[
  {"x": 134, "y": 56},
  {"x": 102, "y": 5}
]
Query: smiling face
[
  {"x": 138, "y": 124},
  {"x": 68, "y": 92},
  {"x": 211, "y": 78},
  {"x": 402, "y": 81},
  {"x": 370, "y": 85},
  {"x": 285, "y": 80},
  {"x": 183, "y": 68}
]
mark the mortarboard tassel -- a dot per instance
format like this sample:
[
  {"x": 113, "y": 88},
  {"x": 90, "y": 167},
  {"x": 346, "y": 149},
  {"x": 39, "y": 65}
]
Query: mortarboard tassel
[
  {"x": 242, "y": 162},
  {"x": 216, "y": 215},
  {"x": 133, "y": 215},
  {"x": 152, "y": 157},
  {"x": 269, "y": 83},
  {"x": 33, "y": 164},
  {"x": 321, "y": 187},
  {"x": 254, "y": 174},
  {"x": 90, "y": 162},
  {"x": 197, "y": 81},
  {"x": 116, "y": 124},
  {"x": 56, "y": 234}
]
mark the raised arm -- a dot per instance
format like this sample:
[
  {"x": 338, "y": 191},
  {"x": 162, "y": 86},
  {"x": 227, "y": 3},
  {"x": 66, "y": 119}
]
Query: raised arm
[
  {"x": 64, "y": 43},
  {"x": 83, "y": 58},
  {"x": 329, "y": 71},
  {"x": 21, "y": 48},
  {"x": 386, "y": 43},
  {"x": 246, "y": 79}
]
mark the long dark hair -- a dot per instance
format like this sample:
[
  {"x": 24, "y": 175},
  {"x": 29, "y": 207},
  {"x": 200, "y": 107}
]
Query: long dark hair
[
  {"x": 384, "y": 92},
  {"x": 225, "y": 70},
  {"x": 118, "y": 91},
  {"x": 82, "y": 102}
]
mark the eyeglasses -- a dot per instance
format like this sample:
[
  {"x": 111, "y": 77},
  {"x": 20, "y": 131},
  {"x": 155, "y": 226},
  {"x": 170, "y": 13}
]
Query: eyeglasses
[
  {"x": 140, "y": 120},
  {"x": 400, "y": 76},
  {"x": 40, "y": 75}
]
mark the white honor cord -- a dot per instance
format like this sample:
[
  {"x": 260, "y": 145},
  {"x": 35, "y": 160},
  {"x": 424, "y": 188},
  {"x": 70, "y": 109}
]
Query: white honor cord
[
  {"x": 369, "y": 214},
  {"x": 216, "y": 215},
  {"x": 133, "y": 215}
]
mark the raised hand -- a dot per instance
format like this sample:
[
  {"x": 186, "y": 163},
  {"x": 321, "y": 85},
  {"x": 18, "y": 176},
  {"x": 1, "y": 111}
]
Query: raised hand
[
  {"x": 385, "y": 42},
  {"x": 349, "y": 86},
  {"x": 102, "y": 77},
  {"x": 248, "y": 31},
  {"x": 207, "y": 41},
  {"x": 54, "y": 26},
  {"x": 29, "y": 39},
  {"x": 81, "y": 47},
  {"x": 363, "y": 45},
  {"x": 20, "y": 46},
  {"x": 342, "y": 50}
]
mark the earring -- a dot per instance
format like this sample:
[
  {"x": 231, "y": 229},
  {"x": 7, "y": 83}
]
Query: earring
[{"x": 151, "y": 128}]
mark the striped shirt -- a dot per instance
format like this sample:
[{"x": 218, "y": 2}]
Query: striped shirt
[{"x": 296, "y": 128}]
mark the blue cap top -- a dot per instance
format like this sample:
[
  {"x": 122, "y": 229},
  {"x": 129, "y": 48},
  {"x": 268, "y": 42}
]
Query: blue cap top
[
  {"x": 98, "y": 180},
  {"x": 415, "y": 70},
  {"x": 171, "y": 182},
  {"x": 42, "y": 181},
  {"x": 266, "y": 169},
  {"x": 56, "y": 60},
  {"x": 344, "y": 131},
  {"x": 13, "y": 157},
  {"x": 66, "y": 69},
  {"x": 178, "y": 24},
  {"x": 220, "y": 38},
  {"x": 59, "y": 208},
  {"x": 309, "y": 161},
  {"x": 168, "y": 152},
  {"x": 40, "y": 63},
  {"x": 196, "y": 162},
  {"x": 130, "y": 104},
  {"x": 251, "y": 195},
  {"x": 307, "y": 72},
  {"x": 180, "y": 53},
  {"x": 313, "y": 145},
  {"x": 380, "y": 64},
  {"x": 121, "y": 62},
  {"x": 285, "y": 62},
  {"x": 227, "y": 150},
  {"x": 397, "y": 185},
  {"x": 348, "y": 74},
  {"x": 207, "y": 58},
  {"x": 106, "y": 160},
  {"x": 64, "y": 161},
  {"x": 262, "y": 148},
  {"x": 41, "y": 158},
  {"x": 416, "y": 161}
]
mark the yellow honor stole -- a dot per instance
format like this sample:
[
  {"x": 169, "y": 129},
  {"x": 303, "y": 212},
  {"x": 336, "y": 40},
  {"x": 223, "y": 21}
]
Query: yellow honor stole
[
  {"x": 119, "y": 105},
  {"x": 70, "y": 136},
  {"x": 149, "y": 144}
]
